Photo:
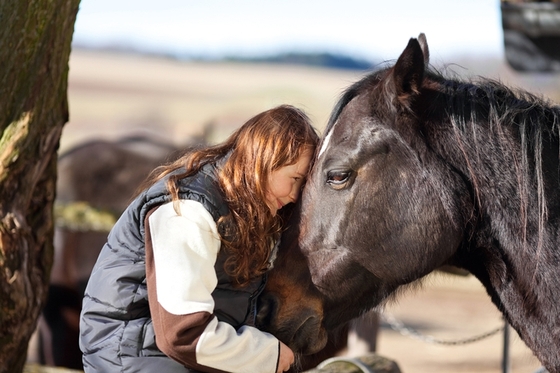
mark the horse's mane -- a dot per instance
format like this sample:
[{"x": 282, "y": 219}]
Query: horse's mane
[
  {"x": 514, "y": 119},
  {"x": 520, "y": 105}
]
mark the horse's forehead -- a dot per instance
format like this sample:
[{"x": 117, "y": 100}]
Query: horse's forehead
[{"x": 355, "y": 110}]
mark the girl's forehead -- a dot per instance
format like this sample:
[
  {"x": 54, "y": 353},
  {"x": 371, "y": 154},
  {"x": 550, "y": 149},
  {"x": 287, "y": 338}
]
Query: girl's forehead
[{"x": 302, "y": 165}]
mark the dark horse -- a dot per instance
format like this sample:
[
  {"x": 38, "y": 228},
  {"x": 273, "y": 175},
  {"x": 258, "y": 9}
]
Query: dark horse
[{"x": 417, "y": 171}]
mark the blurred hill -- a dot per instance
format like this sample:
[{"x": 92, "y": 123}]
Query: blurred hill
[
  {"x": 318, "y": 59},
  {"x": 328, "y": 60}
]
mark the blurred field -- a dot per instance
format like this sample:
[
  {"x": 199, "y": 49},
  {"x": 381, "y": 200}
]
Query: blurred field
[{"x": 113, "y": 95}]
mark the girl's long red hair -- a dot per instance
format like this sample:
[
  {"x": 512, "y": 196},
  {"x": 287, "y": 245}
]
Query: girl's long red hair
[{"x": 266, "y": 142}]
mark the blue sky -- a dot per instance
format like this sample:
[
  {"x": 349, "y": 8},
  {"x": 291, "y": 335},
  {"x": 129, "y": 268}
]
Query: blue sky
[{"x": 368, "y": 29}]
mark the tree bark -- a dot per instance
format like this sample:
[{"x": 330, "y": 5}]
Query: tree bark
[{"x": 35, "y": 39}]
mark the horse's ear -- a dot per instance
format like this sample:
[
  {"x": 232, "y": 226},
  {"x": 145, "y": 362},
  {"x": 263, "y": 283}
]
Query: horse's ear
[
  {"x": 424, "y": 45},
  {"x": 408, "y": 72}
]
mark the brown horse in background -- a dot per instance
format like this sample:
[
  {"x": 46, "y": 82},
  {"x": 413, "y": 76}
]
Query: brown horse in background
[{"x": 95, "y": 179}]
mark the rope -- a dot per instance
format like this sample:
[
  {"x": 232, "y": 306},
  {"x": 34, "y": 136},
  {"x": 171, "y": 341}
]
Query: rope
[{"x": 413, "y": 333}]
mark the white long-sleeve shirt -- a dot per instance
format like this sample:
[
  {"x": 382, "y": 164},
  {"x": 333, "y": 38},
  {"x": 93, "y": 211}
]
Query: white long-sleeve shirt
[{"x": 181, "y": 251}]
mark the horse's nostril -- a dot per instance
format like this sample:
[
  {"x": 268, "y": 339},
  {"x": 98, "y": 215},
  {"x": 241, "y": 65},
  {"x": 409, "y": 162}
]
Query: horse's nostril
[{"x": 266, "y": 308}]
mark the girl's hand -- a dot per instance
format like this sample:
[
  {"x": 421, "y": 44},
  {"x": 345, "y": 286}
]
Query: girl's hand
[{"x": 286, "y": 358}]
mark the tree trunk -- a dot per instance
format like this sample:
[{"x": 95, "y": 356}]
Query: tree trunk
[{"x": 35, "y": 39}]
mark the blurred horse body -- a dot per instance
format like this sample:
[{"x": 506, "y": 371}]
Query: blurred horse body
[{"x": 96, "y": 178}]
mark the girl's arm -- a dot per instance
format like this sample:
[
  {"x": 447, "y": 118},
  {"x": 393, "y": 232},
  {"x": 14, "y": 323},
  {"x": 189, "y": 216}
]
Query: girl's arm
[{"x": 181, "y": 251}]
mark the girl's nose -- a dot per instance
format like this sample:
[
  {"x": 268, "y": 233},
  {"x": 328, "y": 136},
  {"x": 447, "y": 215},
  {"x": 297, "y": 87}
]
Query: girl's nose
[{"x": 294, "y": 194}]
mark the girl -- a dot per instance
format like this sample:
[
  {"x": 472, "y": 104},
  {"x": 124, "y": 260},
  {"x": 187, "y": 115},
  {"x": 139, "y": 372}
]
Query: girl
[{"x": 174, "y": 288}]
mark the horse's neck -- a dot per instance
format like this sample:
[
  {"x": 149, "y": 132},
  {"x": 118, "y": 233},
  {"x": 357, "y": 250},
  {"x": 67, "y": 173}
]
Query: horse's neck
[
  {"x": 517, "y": 247},
  {"x": 514, "y": 178}
]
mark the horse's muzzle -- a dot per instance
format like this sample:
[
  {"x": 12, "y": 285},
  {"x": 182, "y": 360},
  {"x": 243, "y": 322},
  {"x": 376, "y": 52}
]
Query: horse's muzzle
[{"x": 297, "y": 326}]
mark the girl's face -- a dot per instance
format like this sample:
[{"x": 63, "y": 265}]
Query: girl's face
[{"x": 284, "y": 183}]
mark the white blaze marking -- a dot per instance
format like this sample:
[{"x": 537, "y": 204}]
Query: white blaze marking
[{"x": 326, "y": 141}]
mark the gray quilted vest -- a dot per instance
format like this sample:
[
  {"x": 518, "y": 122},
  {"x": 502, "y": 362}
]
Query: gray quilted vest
[{"x": 116, "y": 332}]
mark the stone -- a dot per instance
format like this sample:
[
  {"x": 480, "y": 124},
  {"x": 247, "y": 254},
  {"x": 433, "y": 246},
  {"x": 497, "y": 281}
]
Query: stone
[{"x": 371, "y": 363}]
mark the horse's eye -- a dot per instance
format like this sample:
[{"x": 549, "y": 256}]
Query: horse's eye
[{"x": 338, "y": 179}]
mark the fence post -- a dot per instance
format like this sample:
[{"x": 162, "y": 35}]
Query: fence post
[{"x": 505, "y": 360}]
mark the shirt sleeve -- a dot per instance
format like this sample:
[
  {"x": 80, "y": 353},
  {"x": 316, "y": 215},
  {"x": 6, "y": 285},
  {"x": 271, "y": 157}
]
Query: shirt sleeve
[{"x": 181, "y": 252}]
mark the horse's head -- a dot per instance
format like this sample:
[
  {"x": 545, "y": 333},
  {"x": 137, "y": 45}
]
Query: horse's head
[{"x": 379, "y": 209}]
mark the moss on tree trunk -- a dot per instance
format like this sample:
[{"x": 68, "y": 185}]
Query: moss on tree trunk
[{"x": 35, "y": 39}]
